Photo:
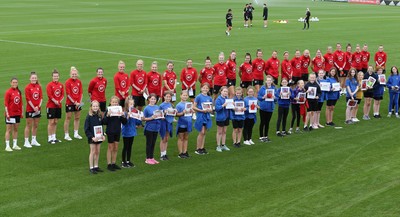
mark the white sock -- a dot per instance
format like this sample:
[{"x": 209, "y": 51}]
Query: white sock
[
  {"x": 14, "y": 142},
  {"x": 33, "y": 138},
  {"x": 75, "y": 132},
  {"x": 66, "y": 134},
  {"x": 376, "y": 113},
  {"x": 390, "y": 113},
  {"x": 53, "y": 137},
  {"x": 50, "y": 137},
  {"x": 7, "y": 143},
  {"x": 163, "y": 153},
  {"x": 26, "y": 140}
]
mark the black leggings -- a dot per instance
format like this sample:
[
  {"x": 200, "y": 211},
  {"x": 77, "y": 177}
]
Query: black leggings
[
  {"x": 282, "y": 117},
  {"x": 127, "y": 149},
  {"x": 295, "y": 115},
  {"x": 264, "y": 123},
  {"x": 151, "y": 138},
  {"x": 306, "y": 22},
  {"x": 248, "y": 129}
]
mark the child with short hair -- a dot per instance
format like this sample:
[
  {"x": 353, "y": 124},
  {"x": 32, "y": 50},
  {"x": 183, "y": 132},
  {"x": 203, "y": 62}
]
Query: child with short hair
[
  {"x": 113, "y": 132},
  {"x": 237, "y": 119},
  {"x": 94, "y": 119},
  {"x": 250, "y": 118},
  {"x": 222, "y": 119},
  {"x": 184, "y": 125},
  {"x": 129, "y": 131}
]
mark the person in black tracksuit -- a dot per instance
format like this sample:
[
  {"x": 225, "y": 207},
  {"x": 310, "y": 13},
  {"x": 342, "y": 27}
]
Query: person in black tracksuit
[
  {"x": 307, "y": 19},
  {"x": 265, "y": 16},
  {"x": 228, "y": 18},
  {"x": 250, "y": 10}
]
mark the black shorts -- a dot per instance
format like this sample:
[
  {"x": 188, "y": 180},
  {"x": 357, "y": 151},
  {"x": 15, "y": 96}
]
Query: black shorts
[
  {"x": 265, "y": 17},
  {"x": 103, "y": 106},
  {"x": 320, "y": 104},
  {"x": 258, "y": 82},
  {"x": 17, "y": 119},
  {"x": 223, "y": 123},
  {"x": 53, "y": 113},
  {"x": 312, "y": 105},
  {"x": 111, "y": 138},
  {"x": 368, "y": 94},
  {"x": 90, "y": 142},
  {"x": 211, "y": 91},
  {"x": 122, "y": 102},
  {"x": 139, "y": 101},
  {"x": 71, "y": 108},
  {"x": 296, "y": 79},
  {"x": 304, "y": 77},
  {"x": 275, "y": 81},
  {"x": 194, "y": 94},
  {"x": 182, "y": 130},
  {"x": 245, "y": 84},
  {"x": 216, "y": 89},
  {"x": 331, "y": 102},
  {"x": 246, "y": 18},
  {"x": 250, "y": 16},
  {"x": 365, "y": 70},
  {"x": 237, "y": 124},
  {"x": 32, "y": 115},
  {"x": 231, "y": 82},
  {"x": 228, "y": 24},
  {"x": 344, "y": 74},
  {"x": 378, "y": 97}
]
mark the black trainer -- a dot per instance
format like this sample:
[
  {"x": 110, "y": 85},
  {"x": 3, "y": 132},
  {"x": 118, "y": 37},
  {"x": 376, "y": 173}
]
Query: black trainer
[
  {"x": 92, "y": 171},
  {"x": 98, "y": 169},
  {"x": 110, "y": 168},
  {"x": 124, "y": 165},
  {"x": 186, "y": 154},
  {"x": 115, "y": 166},
  {"x": 279, "y": 134},
  {"x": 236, "y": 145},
  {"x": 130, "y": 164},
  {"x": 204, "y": 151},
  {"x": 266, "y": 139}
]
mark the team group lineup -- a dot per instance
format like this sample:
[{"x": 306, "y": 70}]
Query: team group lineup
[{"x": 333, "y": 74}]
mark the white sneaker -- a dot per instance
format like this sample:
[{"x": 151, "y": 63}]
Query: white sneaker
[
  {"x": 77, "y": 136},
  {"x": 27, "y": 145},
  {"x": 246, "y": 142},
  {"x": 8, "y": 148},
  {"x": 225, "y": 148},
  {"x": 35, "y": 143},
  {"x": 67, "y": 138},
  {"x": 211, "y": 115},
  {"x": 251, "y": 142},
  {"x": 16, "y": 147},
  {"x": 355, "y": 120},
  {"x": 219, "y": 149},
  {"x": 194, "y": 117}
]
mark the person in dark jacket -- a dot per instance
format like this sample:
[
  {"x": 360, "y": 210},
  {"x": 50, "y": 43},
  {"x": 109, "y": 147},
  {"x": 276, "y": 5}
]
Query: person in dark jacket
[{"x": 265, "y": 16}]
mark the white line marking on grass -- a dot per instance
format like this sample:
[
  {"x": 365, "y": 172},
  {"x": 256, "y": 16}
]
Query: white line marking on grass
[{"x": 91, "y": 50}]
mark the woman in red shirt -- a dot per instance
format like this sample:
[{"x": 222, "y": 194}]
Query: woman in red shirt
[
  {"x": 231, "y": 74},
  {"x": 296, "y": 67},
  {"x": 206, "y": 75},
  {"x": 220, "y": 70},
  {"x": 286, "y": 68},
  {"x": 258, "y": 71},
  {"x": 73, "y": 88},
  {"x": 189, "y": 78},
  {"x": 318, "y": 62},
  {"x": 34, "y": 99},
  {"x": 13, "y": 114},
  {"x": 97, "y": 89},
  {"x": 154, "y": 81},
  {"x": 169, "y": 79},
  {"x": 272, "y": 66},
  {"x": 246, "y": 73},
  {"x": 55, "y": 94},
  {"x": 365, "y": 58},
  {"x": 121, "y": 83},
  {"x": 356, "y": 59}
]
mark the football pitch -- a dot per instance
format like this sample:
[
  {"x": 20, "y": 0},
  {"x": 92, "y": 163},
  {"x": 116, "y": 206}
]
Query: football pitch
[{"x": 354, "y": 171}]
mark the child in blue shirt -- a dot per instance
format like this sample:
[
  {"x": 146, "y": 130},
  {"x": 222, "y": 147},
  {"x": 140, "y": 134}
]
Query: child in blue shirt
[
  {"x": 266, "y": 108},
  {"x": 237, "y": 119},
  {"x": 166, "y": 124},
  {"x": 151, "y": 128},
  {"x": 393, "y": 86},
  {"x": 320, "y": 78},
  {"x": 283, "y": 107},
  {"x": 184, "y": 125},
  {"x": 203, "y": 120},
  {"x": 222, "y": 119},
  {"x": 250, "y": 118},
  {"x": 351, "y": 92}
]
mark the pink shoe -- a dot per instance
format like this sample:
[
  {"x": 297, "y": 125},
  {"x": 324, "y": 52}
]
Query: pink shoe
[
  {"x": 155, "y": 162},
  {"x": 149, "y": 161}
]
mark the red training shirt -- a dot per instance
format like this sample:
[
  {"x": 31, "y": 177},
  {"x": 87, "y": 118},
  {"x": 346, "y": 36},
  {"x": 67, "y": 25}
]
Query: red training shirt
[
  {"x": 154, "y": 83},
  {"x": 121, "y": 83},
  {"x": 328, "y": 61},
  {"x": 356, "y": 62},
  {"x": 318, "y": 63},
  {"x": 207, "y": 76},
  {"x": 380, "y": 59},
  {"x": 189, "y": 77},
  {"x": 349, "y": 60},
  {"x": 339, "y": 59},
  {"x": 170, "y": 77},
  {"x": 296, "y": 66},
  {"x": 272, "y": 67},
  {"x": 73, "y": 88},
  {"x": 365, "y": 59},
  {"x": 13, "y": 102},
  {"x": 97, "y": 89},
  {"x": 138, "y": 81},
  {"x": 34, "y": 94},
  {"x": 231, "y": 71},
  {"x": 258, "y": 69},
  {"x": 246, "y": 69},
  {"x": 305, "y": 63},
  {"x": 55, "y": 91},
  {"x": 286, "y": 69},
  {"x": 220, "y": 70}
]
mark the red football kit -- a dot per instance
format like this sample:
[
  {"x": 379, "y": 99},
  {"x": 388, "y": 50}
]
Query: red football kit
[
  {"x": 138, "y": 81},
  {"x": 356, "y": 61},
  {"x": 154, "y": 83},
  {"x": 247, "y": 72},
  {"x": 73, "y": 88},
  {"x": 339, "y": 59},
  {"x": 207, "y": 76},
  {"x": 189, "y": 78},
  {"x": 272, "y": 67},
  {"x": 55, "y": 92},
  {"x": 33, "y": 94},
  {"x": 318, "y": 64},
  {"x": 220, "y": 70},
  {"x": 121, "y": 83},
  {"x": 97, "y": 89},
  {"x": 349, "y": 60},
  {"x": 258, "y": 69},
  {"x": 328, "y": 61},
  {"x": 380, "y": 59},
  {"x": 170, "y": 77},
  {"x": 296, "y": 66},
  {"x": 286, "y": 69},
  {"x": 13, "y": 102},
  {"x": 231, "y": 71},
  {"x": 365, "y": 59},
  {"x": 305, "y": 63}
]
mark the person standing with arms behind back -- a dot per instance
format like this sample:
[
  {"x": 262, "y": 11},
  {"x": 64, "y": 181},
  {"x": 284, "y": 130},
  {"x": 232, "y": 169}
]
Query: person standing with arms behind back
[
  {"x": 228, "y": 18},
  {"x": 121, "y": 83},
  {"x": 265, "y": 16},
  {"x": 307, "y": 19}
]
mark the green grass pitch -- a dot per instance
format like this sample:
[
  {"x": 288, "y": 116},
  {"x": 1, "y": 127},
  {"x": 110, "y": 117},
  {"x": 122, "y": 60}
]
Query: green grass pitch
[{"x": 350, "y": 172}]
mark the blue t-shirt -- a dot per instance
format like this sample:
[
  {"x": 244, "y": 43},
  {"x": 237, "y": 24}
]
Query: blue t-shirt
[
  {"x": 267, "y": 106},
  {"x": 332, "y": 95},
  {"x": 166, "y": 124},
  {"x": 247, "y": 106},
  {"x": 235, "y": 116},
  {"x": 129, "y": 128},
  {"x": 352, "y": 84},
  {"x": 183, "y": 121},
  {"x": 221, "y": 112},
  {"x": 393, "y": 80},
  {"x": 152, "y": 125},
  {"x": 324, "y": 94},
  {"x": 283, "y": 103},
  {"x": 203, "y": 119}
]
